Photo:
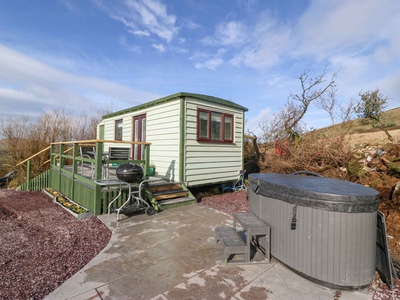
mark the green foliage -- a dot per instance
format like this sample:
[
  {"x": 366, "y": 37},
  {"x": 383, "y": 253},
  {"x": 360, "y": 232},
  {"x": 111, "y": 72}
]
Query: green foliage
[
  {"x": 371, "y": 107},
  {"x": 355, "y": 169}
]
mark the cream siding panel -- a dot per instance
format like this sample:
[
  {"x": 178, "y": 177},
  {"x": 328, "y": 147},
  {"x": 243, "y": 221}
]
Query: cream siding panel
[
  {"x": 207, "y": 162},
  {"x": 163, "y": 132},
  {"x": 109, "y": 127},
  {"x": 98, "y": 129}
]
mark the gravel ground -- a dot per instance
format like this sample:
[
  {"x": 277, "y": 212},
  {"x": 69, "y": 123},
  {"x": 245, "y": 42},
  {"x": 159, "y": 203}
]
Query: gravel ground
[
  {"x": 41, "y": 245},
  {"x": 229, "y": 203}
]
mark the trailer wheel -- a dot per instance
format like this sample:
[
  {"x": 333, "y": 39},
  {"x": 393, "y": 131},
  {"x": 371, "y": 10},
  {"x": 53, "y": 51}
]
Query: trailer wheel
[{"x": 150, "y": 211}]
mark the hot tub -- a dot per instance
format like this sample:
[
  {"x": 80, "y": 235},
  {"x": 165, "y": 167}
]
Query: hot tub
[{"x": 322, "y": 228}]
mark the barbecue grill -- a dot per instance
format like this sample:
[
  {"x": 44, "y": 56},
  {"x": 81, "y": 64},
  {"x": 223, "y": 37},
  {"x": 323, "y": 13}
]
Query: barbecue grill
[
  {"x": 129, "y": 173},
  {"x": 130, "y": 176}
]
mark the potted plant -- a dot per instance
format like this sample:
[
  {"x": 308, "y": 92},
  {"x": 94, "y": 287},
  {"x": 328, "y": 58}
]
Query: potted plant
[
  {"x": 152, "y": 169},
  {"x": 70, "y": 206}
]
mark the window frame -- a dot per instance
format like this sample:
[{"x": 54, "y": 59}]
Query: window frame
[
  {"x": 139, "y": 135},
  {"x": 116, "y": 128},
  {"x": 208, "y": 139}
]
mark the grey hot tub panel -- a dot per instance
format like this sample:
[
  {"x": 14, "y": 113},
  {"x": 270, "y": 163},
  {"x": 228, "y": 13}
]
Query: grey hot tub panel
[{"x": 334, "y": 237}]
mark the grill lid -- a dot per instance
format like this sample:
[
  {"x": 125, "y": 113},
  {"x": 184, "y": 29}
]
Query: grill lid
[{"x": 129, "y": 173}]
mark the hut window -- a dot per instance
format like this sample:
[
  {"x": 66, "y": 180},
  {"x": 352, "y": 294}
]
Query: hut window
[
  {"x": 118, "y": 130},
  {"x": 228, "y": 126},
  {"x": 214, "y": 126},
  {"x": 203, "y": 125}
]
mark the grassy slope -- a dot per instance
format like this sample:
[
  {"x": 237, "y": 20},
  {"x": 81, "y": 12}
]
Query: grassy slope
[{"x": 391, "y": 116}]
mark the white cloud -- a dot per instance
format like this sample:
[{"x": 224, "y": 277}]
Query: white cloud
[
  {"x": 212, "y": 64},
  {"x": 258, "y": 43},
  {"x": 253, "y": 124},
  {"x": 143, "y": 18},
  {"x": 328, "y": 30},
  {"x": 159, "y": 47},
  {"x": 270, "y": 46},
  {"x": 231, "y": 33},
  {"x": 12, "y": 94},
  {"x": 30, "y": 85},
  {"x": 123, "y": 41},
  {"x": 140, "y": 32},
  {"x": 191, "y": 25},
  {"x": 70, "y": 5},
  {"x": 330, "y": 27}
]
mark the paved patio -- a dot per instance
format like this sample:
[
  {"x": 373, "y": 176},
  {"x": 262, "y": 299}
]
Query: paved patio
[{"x": 173, "y": 255}]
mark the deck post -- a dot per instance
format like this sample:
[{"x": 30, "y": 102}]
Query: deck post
[
  {"x": 52, "y": 155},
  {"x": 28, "y": 175},
  {"x": 74, "y": 168},
  {"x": 97, "y": 200},
  {"x": 51, "y": 173},
  {"x": 61, "y": 164},
  {"x": 61, "y": 156},
  {"x": 98, "y": 174},
  {"x": 98, "y": 166},
  {"x": 147, "y": 159},
  {"x": 74, "y": 161}
]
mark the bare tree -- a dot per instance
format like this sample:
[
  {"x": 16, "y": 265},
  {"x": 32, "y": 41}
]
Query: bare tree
[
  {"x": 329, "y": 103},
  {"x": 346, "y": 112},
  {"x": 24, "y": 137},
  {"x": 295, "y": 109},
  {"x": 336, "y": 111}
]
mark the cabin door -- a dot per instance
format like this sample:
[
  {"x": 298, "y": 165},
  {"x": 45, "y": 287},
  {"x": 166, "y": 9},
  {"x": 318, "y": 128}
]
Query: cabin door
[{"x": 139, "y": 135}]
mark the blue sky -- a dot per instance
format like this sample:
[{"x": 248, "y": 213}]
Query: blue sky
[{"x": 89, "y": 54}]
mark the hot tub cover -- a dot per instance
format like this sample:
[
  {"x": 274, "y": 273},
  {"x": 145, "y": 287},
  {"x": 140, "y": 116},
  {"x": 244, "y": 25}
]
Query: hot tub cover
[{"x": 316, "y": 192}]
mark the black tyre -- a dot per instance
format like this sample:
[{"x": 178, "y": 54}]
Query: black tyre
[{"x": 150, "y": 211}]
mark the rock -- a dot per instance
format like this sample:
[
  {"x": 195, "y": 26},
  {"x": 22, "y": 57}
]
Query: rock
[
  {"x": 382, "y": 168},
  {"x": 380, "y": 152},
  {"x": 396, "y": 192}
]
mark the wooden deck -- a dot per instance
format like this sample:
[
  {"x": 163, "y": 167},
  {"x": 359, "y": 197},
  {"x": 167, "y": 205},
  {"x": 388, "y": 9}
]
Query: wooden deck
[{"x": 74, "y": 175}]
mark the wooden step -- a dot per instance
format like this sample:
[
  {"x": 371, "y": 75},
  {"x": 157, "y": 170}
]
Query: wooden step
[
  {"x": 232, "y": 242},
  {"x": 168, "y": 186},
  {"x": 175, "y": 201},
  {"x": 163, "y": 195},
  {"x": 169, "y": 194}
]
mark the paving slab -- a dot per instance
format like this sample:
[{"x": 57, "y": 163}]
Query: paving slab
[{"x": 174, "y": 255}]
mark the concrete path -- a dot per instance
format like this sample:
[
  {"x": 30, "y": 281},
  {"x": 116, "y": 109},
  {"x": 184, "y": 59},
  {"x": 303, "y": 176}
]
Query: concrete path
[{"x": 174, "y": 255}]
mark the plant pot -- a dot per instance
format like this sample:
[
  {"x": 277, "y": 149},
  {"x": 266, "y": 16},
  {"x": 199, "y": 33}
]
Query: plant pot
[
  {"x": 68, "y": 205},
  {"x": 152, "y": 171}
]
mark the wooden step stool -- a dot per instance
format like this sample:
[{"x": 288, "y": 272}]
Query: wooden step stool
[{"x": 232, "y": 242}]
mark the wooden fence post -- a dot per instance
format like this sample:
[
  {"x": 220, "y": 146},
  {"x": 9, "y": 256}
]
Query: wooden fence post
[{"x": 28, "y": 175}]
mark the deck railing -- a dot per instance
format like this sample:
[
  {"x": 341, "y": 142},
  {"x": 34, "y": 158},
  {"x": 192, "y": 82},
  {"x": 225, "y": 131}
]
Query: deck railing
[
  {"x": 66, "y": 177},
  {"x": 37, "y": 183}
]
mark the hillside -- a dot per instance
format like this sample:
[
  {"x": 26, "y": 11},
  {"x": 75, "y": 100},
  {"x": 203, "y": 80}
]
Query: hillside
[
  {"x": 392, "y": 116},
  {"x": 366, "y": 134}
]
